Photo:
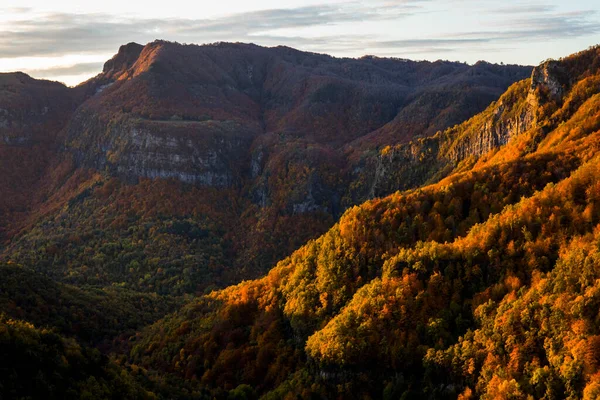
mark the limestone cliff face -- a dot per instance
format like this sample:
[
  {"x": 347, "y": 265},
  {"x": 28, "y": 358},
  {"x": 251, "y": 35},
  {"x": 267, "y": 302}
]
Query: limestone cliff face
[
  {"x": 550, "y": 79},
  {"x": 426, "y": 160},
  {"x": 514, "y": 114},
  {"x": 209, "y": 153},
  {"x": 503, "y": 123},
  {"x": 151, "y": 155}
]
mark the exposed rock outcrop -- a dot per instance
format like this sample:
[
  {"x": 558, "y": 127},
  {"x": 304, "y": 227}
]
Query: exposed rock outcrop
[
  {"x": 550, "y": 79},
  {"x": 417, "y": 162},
  {"x": 122, "y": 61},
  {"x": 208, "y": 153},
  {"x": 513, "y": 115}
]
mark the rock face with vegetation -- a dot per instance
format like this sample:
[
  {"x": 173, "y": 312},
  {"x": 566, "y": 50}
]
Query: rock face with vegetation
[{"x": 408, "y": 165}]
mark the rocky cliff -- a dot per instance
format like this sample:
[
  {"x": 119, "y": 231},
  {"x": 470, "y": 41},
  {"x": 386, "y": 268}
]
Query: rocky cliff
[{"x": 412, "y": 164}]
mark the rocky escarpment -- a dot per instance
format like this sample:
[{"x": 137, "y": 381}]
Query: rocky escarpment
[
  {"x": 208, "y": 153},
  {"x": 125, "y": 58},
  {"x": 425, "y": 160},
  {"x": 507, "y": 119},
  {"x": 515, "y": 113},
  {"x": 151, "y": 155},
  {"x": 550, "y": 80}
]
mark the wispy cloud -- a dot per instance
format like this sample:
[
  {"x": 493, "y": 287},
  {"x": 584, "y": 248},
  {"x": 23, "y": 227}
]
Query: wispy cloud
[
  {"x": 57, "y": 33},
  {"x": 525, "y": 9},
  {"x": 523, "y": 23},
  {"x": 34, "y": 34},
  {"x": 71, "y": 70},
  {"x": 538, "y": 27}
]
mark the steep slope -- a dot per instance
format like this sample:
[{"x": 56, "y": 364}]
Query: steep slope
[
  {"x": 479, "y": 286},
  {"x": 517, "y": 111},
  {"x": 186, "y": 167}
]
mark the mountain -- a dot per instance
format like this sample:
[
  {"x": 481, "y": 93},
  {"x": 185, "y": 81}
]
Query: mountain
[
  {"x": 230, "y": 221},
  {"x": 481, "y": 285},
  {"x": 224, "y": 115},
  {"x": 181, "y": 168},
  {"x": 196, "y": 112}
]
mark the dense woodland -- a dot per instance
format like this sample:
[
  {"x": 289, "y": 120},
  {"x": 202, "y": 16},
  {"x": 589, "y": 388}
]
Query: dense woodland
[{"x": 480, "y": 282}]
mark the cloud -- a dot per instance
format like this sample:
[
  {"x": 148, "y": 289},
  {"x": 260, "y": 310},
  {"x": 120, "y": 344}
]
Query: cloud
[
  {"x": 61, "y": 71},
  {"x": 58, "y": 33},
  {"x": 33, "y": 34},
  {"x": 538, "y": 27},
  {"x": 435, "y": 43},
  {"x": 526, "y": 8},
  {"x": 556, "y": 25},
  {"x": 55, "y": 34},
  {"x": 541, "y": 25}
]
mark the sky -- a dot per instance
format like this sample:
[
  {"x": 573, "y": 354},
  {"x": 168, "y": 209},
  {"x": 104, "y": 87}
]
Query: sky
[{"x": 68, "y": 42}]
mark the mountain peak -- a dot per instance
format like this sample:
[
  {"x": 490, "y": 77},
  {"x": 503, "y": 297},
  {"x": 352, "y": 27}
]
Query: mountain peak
[
  {"x": 550, "y": 77},
  {"x": 123, "y": 60}
]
